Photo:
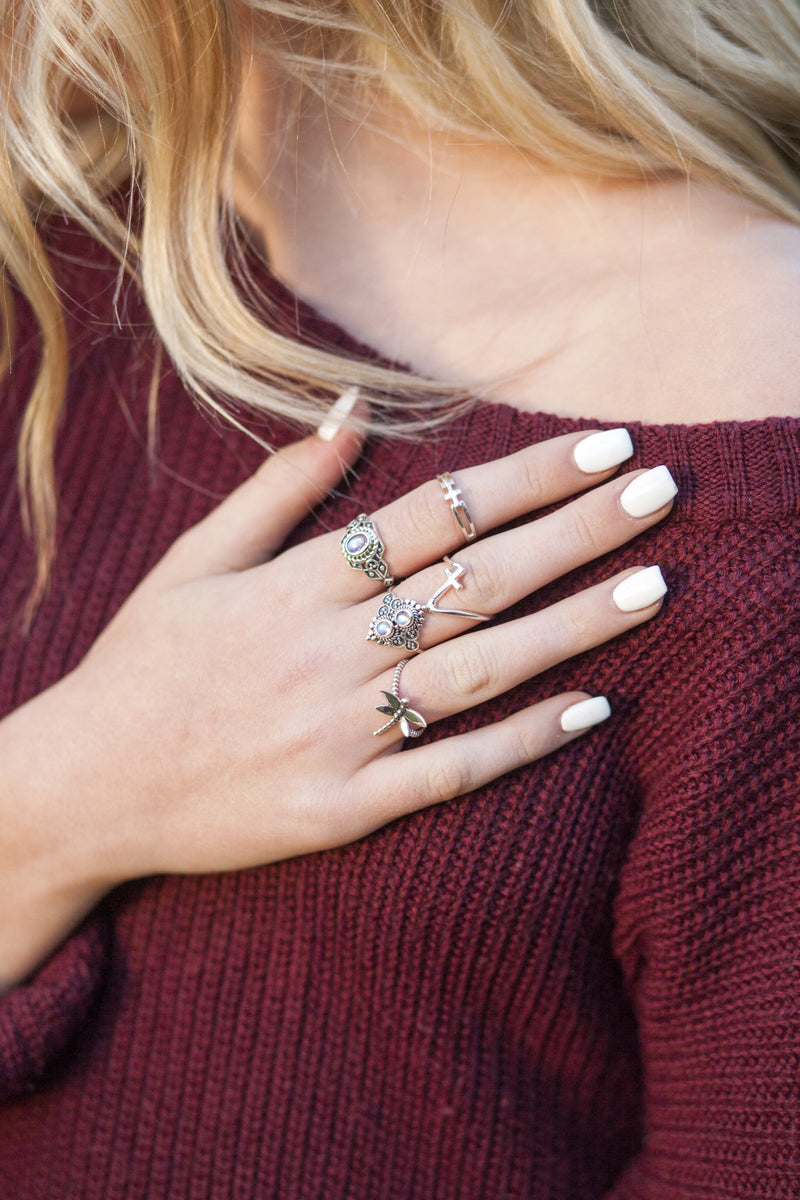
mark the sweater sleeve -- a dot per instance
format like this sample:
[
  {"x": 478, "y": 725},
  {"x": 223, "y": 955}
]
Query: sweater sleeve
[
  {"x": 39, "y": 1018},
  {"x": 708, "y": 910}
]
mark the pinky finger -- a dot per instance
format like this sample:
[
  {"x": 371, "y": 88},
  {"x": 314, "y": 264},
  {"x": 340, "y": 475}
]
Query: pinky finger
[{"x": 455, "y": 766}]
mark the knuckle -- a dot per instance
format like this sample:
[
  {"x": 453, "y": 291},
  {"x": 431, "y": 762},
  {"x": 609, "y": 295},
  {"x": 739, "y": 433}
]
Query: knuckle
[
  {"x": 423, "y": 514},
  {"x": 531, "y": 481},
  {"x": 523, "y": 744},
  {"x": 489, "y": 579},
  {"x": 587, "y": 535},
  {"x": 574, "y": 628},
  {"x": 446, "y": 779},
  {"x": 302, "y": 666},
  {"x": 471, "y": 670}
]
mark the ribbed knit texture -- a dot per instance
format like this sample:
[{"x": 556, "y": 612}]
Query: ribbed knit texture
[{"x": 576, "y": 983}]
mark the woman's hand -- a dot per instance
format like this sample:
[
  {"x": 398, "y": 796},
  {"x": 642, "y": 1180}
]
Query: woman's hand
[{"x": 225, "y": 717}]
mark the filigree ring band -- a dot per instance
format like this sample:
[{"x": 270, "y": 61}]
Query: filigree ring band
[
  {"x": 397, "y": 623},
  {"x": 363, "y": 549}
]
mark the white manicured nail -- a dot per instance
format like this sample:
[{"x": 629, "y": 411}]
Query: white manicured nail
[
  {"x": 337, "y": 415},
  {"x": 640, "y": 590},
  {"x": 602, "y": 451},
  {"x": 648, "y": 493},
  {"x": 585, "y": 714}
]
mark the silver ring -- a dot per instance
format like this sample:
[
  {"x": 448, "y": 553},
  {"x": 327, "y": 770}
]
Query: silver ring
[
  {"x": 454, "y": 572},
  {"x": 363, "y": 549},
  {"x": 397, "y": 623},
  {"x": 397, "y": 709},
  {"x": 453, "y": 496}
]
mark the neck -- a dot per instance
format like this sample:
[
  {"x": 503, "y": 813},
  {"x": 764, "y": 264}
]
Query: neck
[{"x": 472, "y": 265}]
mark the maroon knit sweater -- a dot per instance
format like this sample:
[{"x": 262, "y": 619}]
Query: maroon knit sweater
[{"x": 576, "y": 983}]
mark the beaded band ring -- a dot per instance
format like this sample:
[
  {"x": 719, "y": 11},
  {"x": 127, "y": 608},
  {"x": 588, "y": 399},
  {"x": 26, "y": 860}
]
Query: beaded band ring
[{"x": 397, "y": 709}]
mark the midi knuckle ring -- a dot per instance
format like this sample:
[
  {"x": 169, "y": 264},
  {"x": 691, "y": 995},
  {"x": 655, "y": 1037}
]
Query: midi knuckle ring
[
  {"x": 363, "y": 549},
  {"x": 454, "y": 497},
  {"x": 398, "y": 622},
  {"x": 454, "y": 573}
]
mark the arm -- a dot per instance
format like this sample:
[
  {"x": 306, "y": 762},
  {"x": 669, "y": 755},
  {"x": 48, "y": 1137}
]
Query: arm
[
  {"x": 52, "y": 853},
  {"x": 232, "y": 664}
]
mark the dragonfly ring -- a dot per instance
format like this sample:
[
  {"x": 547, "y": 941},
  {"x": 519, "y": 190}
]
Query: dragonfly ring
[{"x": 397, "y": 709}]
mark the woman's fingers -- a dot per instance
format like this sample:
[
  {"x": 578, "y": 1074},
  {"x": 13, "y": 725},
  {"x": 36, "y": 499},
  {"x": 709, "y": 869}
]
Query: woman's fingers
[
  {"x": 465, "y": 672},
  {"x": 490, "y": 576},
  {"x": 462, "y": 674},
  {"x": 423, "y": 525},
  {"x": 455, "y": 766},
  {"x": 509, "y": 566},
  {"x": 253, "y": 522}
]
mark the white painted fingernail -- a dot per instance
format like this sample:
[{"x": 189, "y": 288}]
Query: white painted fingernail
[
  {"x": 585, "y": 714},
  {"x": 639, "y": 590},
  {"x": 648, "y": 493},
  {"x": 338, "y": 414},
  {"x": 602, "y": 451}
]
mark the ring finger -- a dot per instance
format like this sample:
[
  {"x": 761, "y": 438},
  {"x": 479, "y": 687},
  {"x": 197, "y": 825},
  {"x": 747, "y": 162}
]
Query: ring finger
[
  {"x": 501, "y": 570},
  {"x": 458, "y": 675}
]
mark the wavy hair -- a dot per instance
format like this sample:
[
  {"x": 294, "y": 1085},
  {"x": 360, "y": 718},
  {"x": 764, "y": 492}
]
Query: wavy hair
[{"x": 94, "y": 90}]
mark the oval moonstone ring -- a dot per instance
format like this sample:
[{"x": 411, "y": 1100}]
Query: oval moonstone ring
[{"x": 363, "y": 549}]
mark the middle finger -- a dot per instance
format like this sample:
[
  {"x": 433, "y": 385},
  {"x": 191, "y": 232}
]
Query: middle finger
[
  {"x": 504, "y": 568},
  {"x": 422, "y": 526}
]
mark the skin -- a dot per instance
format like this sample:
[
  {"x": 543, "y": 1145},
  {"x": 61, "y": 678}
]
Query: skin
[
  {"x": 624, "y": 301},
  {"x": 152, "y": 771},
  {"x": 574, "y": 295}
]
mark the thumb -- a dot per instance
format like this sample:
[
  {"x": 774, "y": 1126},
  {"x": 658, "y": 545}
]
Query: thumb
[{"x": 254, "y": 521}]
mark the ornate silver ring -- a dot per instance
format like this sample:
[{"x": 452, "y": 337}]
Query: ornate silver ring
[
  {"x": 398, "y": 710},
  {"x": 453, "y": 496},
  {"x": 397, "y": 623},
  {"x": 363, "y": 549}
]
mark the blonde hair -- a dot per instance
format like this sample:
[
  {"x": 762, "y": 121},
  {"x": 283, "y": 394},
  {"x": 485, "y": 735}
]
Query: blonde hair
[{"x": 619, "y": 88}]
